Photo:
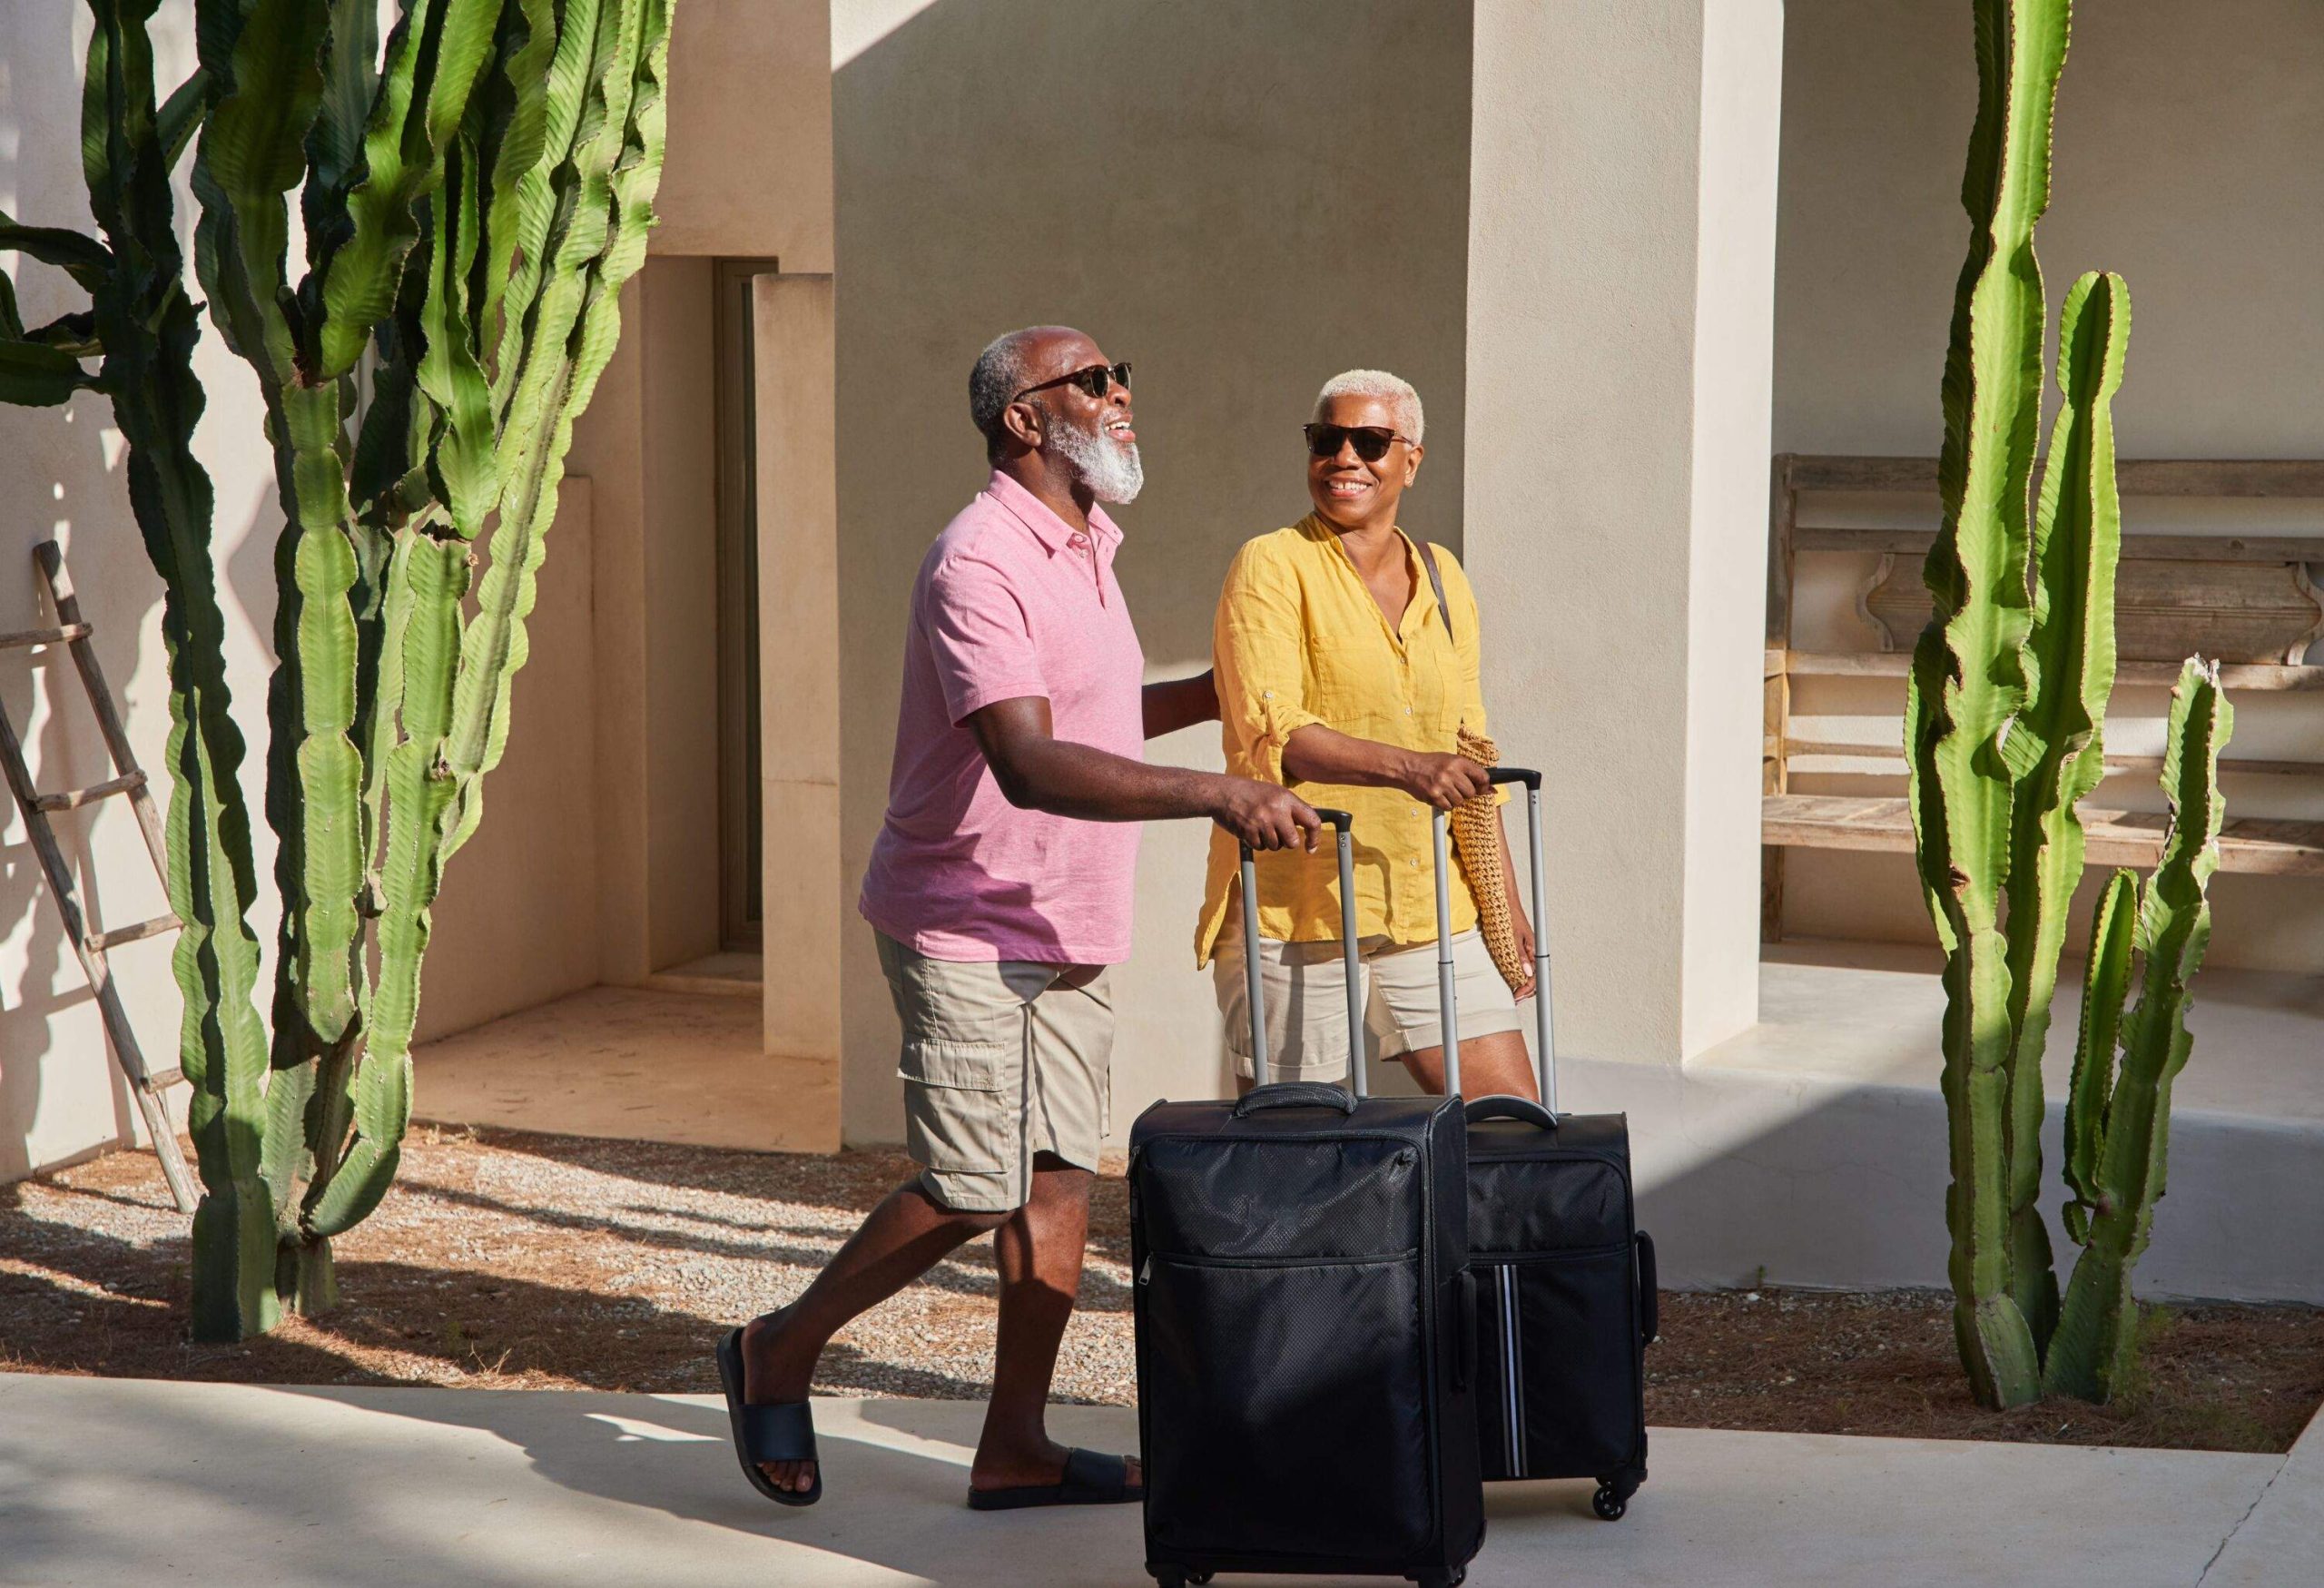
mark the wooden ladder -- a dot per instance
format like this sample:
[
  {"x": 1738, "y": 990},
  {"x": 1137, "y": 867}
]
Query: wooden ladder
[{"x": 72, "y": 631}]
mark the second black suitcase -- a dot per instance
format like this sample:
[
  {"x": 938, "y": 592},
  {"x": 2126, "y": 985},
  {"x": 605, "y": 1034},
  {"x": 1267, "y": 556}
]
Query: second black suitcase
[
  {"x": 1306, "y": 1327},
  {"x": 1565, "y": 1278}
]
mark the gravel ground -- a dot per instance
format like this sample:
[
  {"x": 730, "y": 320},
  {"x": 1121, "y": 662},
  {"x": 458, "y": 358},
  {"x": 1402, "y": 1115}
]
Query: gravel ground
[
  {"x": 536, "y": 1261},
  {"x": 507, "y": 1260}
]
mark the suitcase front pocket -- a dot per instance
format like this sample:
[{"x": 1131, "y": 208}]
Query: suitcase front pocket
[
  {"x": 1559, "y": 1393},
  {"x": 1287, "y": 1405}
]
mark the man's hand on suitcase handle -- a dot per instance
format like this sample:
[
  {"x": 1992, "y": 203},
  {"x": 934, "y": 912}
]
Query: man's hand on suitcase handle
[{"x": 1266, "y": 815}]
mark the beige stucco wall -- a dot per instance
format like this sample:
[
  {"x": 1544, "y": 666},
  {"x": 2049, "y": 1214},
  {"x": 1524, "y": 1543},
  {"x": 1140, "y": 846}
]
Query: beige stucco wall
[
  {"x": 749, "y": 166},
  {"x": 2190, "y": 157},
  {"x": 747, "y": 176},
  {"x": 1241, "y": 200},
  {"x": 1620, "y": 268}
]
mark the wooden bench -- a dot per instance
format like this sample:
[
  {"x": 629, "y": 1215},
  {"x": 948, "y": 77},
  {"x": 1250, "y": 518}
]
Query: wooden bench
[{"x": 2244, "y": 599}]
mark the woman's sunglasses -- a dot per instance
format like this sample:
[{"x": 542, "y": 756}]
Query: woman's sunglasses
[
  {"x": 1371, "y": 442},
  {"x": 1097, "y": 380}
]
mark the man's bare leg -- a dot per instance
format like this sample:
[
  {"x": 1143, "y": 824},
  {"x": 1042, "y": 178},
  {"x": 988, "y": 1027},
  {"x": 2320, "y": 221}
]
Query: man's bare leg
[
  {"x": 901, "y": 1239},
  {"x": 1494, "y": 1065},
  {"x": 1039, "y": 1253}
]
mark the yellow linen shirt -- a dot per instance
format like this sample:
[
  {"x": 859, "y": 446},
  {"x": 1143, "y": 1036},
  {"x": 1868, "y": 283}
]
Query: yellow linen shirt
[{"x": 1298, "y": 639}]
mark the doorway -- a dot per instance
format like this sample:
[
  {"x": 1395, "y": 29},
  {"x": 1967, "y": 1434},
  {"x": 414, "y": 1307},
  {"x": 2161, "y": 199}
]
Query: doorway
[{"x": 741, "y": 843}]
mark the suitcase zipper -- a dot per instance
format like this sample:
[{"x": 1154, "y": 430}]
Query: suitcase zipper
[
  {"x": 1512, "y": 1381},
  {"x": 1558, "y": 1255},
  {"x": 1354, "y": 1260}
]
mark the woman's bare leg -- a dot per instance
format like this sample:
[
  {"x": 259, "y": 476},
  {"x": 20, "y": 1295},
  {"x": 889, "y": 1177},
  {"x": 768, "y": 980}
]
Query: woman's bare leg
[{"x": 1494, "y": 1065}]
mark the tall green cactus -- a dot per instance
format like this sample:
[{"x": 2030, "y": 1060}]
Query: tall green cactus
[
  {"x": 2118, "y": 1119},
  {"x": 473, "y": 197},
  {"x": 1972, "y": 682},
  {"x": 2003, "y": 730}
]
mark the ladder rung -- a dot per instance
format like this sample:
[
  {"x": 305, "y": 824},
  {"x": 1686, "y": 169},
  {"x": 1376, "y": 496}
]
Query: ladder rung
[
  {"x": 71, "y": 797},
  {"x": 161, "y": 1078},
  {"x": 144, "y": 929},
  {"x": 43, "y": 636}
]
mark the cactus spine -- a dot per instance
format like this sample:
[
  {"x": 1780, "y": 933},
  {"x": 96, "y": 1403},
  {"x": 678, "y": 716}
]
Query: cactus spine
[
  {"x": 2118, "y": 1118},
  {"x": 473, "y": 199}
]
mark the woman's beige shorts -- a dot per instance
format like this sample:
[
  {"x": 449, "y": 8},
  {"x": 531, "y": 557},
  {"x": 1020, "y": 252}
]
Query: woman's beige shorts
[
  {"x": 1305, "y": 987},
  {"x": 1002, "y": 1059}
]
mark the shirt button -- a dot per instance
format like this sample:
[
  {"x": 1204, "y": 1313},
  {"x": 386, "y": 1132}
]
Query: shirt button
[
  {"x": 1408, "y": 711},
  {"x": 1078, "y": 542}
]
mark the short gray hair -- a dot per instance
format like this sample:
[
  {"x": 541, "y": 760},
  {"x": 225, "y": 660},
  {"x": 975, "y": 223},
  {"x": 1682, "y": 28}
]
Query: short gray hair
[
  {"x": 1392, "y": 389},
  {"x": 999, "y": 374}
]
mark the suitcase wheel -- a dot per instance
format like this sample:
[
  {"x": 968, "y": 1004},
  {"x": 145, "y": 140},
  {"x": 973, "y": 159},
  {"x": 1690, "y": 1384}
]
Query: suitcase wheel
[
  {"x": 1609, "y": 1503},
  {"x": 1176, "y": 1577},
  {"x": 1454, "y": 1579}
]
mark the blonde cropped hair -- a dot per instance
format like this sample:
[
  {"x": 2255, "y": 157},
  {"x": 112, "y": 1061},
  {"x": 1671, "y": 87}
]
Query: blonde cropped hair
[{"x": 1392, "y": 389}]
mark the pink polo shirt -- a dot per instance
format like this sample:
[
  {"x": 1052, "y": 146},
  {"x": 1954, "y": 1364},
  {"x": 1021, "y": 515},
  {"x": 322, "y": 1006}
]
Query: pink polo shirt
[{"x": 1007, "y": 604}]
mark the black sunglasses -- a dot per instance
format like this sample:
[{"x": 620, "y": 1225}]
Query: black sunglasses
[
  {"x": 1370, "y": 442},
  {"x": 1097, "y": 380}
]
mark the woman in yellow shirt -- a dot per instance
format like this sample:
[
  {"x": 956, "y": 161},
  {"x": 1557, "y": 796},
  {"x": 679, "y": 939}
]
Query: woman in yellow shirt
[{"x": 1340, "y": 676}]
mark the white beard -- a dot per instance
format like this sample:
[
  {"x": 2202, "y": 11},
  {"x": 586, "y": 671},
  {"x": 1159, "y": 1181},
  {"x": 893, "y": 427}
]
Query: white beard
[{"x": 1112, "y": 470}]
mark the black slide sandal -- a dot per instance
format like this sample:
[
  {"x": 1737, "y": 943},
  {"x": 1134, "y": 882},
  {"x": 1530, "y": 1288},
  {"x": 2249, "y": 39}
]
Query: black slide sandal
[
  {"x": 1091, "y": 1479},
  {"x": 773, "y": 1433}
]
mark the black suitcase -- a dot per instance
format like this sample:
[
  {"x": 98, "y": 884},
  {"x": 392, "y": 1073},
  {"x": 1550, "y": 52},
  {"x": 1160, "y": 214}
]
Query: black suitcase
[
  {"x": 1565, "y": 1278},
  {"x": 1306, "y": 1325}
]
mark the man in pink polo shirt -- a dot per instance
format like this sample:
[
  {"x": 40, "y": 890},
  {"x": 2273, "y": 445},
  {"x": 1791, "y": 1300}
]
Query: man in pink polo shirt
[{"x": 1000, "y": 888}]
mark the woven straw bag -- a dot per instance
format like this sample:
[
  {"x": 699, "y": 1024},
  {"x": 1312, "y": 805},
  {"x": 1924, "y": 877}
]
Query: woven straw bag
[{"x": 1476, "y": 836}]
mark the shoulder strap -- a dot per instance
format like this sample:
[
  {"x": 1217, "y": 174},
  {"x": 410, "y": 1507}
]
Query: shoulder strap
[{"x": 1436, "y": 583}]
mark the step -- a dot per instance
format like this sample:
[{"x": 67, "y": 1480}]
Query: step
[
  {"x": 43, "y": 636},
  {"x": 71, "y": 798},
  {"x": 118, "y": 935}
]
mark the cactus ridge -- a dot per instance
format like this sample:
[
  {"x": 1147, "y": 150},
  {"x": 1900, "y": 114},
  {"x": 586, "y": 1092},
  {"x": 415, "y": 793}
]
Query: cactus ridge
[{"x": 473, "y": 192}]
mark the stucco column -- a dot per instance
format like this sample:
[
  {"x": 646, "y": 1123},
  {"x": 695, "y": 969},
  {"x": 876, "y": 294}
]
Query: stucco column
[
  {"x": 1621, "y": 274},
  {"x": 803, "y": 892}
]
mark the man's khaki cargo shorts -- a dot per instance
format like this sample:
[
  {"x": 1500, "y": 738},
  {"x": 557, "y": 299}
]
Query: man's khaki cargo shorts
[{"x": 1001, "y": 1059}]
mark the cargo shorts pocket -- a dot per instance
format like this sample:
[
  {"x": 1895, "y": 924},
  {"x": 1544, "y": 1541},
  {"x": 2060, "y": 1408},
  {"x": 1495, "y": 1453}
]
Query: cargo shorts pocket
[{"x": 958, "y": 1117}]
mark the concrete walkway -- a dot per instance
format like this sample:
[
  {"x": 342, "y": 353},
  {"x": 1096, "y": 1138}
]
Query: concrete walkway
[{"x": 108, "y": 1481}]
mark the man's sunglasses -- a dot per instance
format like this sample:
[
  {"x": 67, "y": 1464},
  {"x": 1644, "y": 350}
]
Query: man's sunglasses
[
  {"x": 1371, "y": 442},
  {"x": 1097, "y": 380}
]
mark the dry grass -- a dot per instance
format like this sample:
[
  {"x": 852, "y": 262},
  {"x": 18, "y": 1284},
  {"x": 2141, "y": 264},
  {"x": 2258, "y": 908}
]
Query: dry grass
[{"x": 506, "y": 1260}]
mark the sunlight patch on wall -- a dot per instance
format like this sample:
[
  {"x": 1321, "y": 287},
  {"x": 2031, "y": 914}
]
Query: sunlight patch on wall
[{"x": 858, "y": 25}]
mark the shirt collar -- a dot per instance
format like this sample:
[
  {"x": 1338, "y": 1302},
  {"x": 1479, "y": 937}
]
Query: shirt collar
[
  {"x": 1051, "y": 531},
  {"x": 1325, "y": 539}
]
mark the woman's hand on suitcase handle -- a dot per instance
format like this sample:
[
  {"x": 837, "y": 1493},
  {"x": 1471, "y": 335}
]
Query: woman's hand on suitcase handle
[
  {"x": 1266, "y": 815},
  {"x": 1443, "y": 781}
]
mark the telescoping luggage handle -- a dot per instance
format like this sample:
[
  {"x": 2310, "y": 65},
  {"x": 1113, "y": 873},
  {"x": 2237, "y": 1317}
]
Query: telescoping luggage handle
[
  {"x": 1343, "y": 827},
  {"x": 1545, "y": 1057}
]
